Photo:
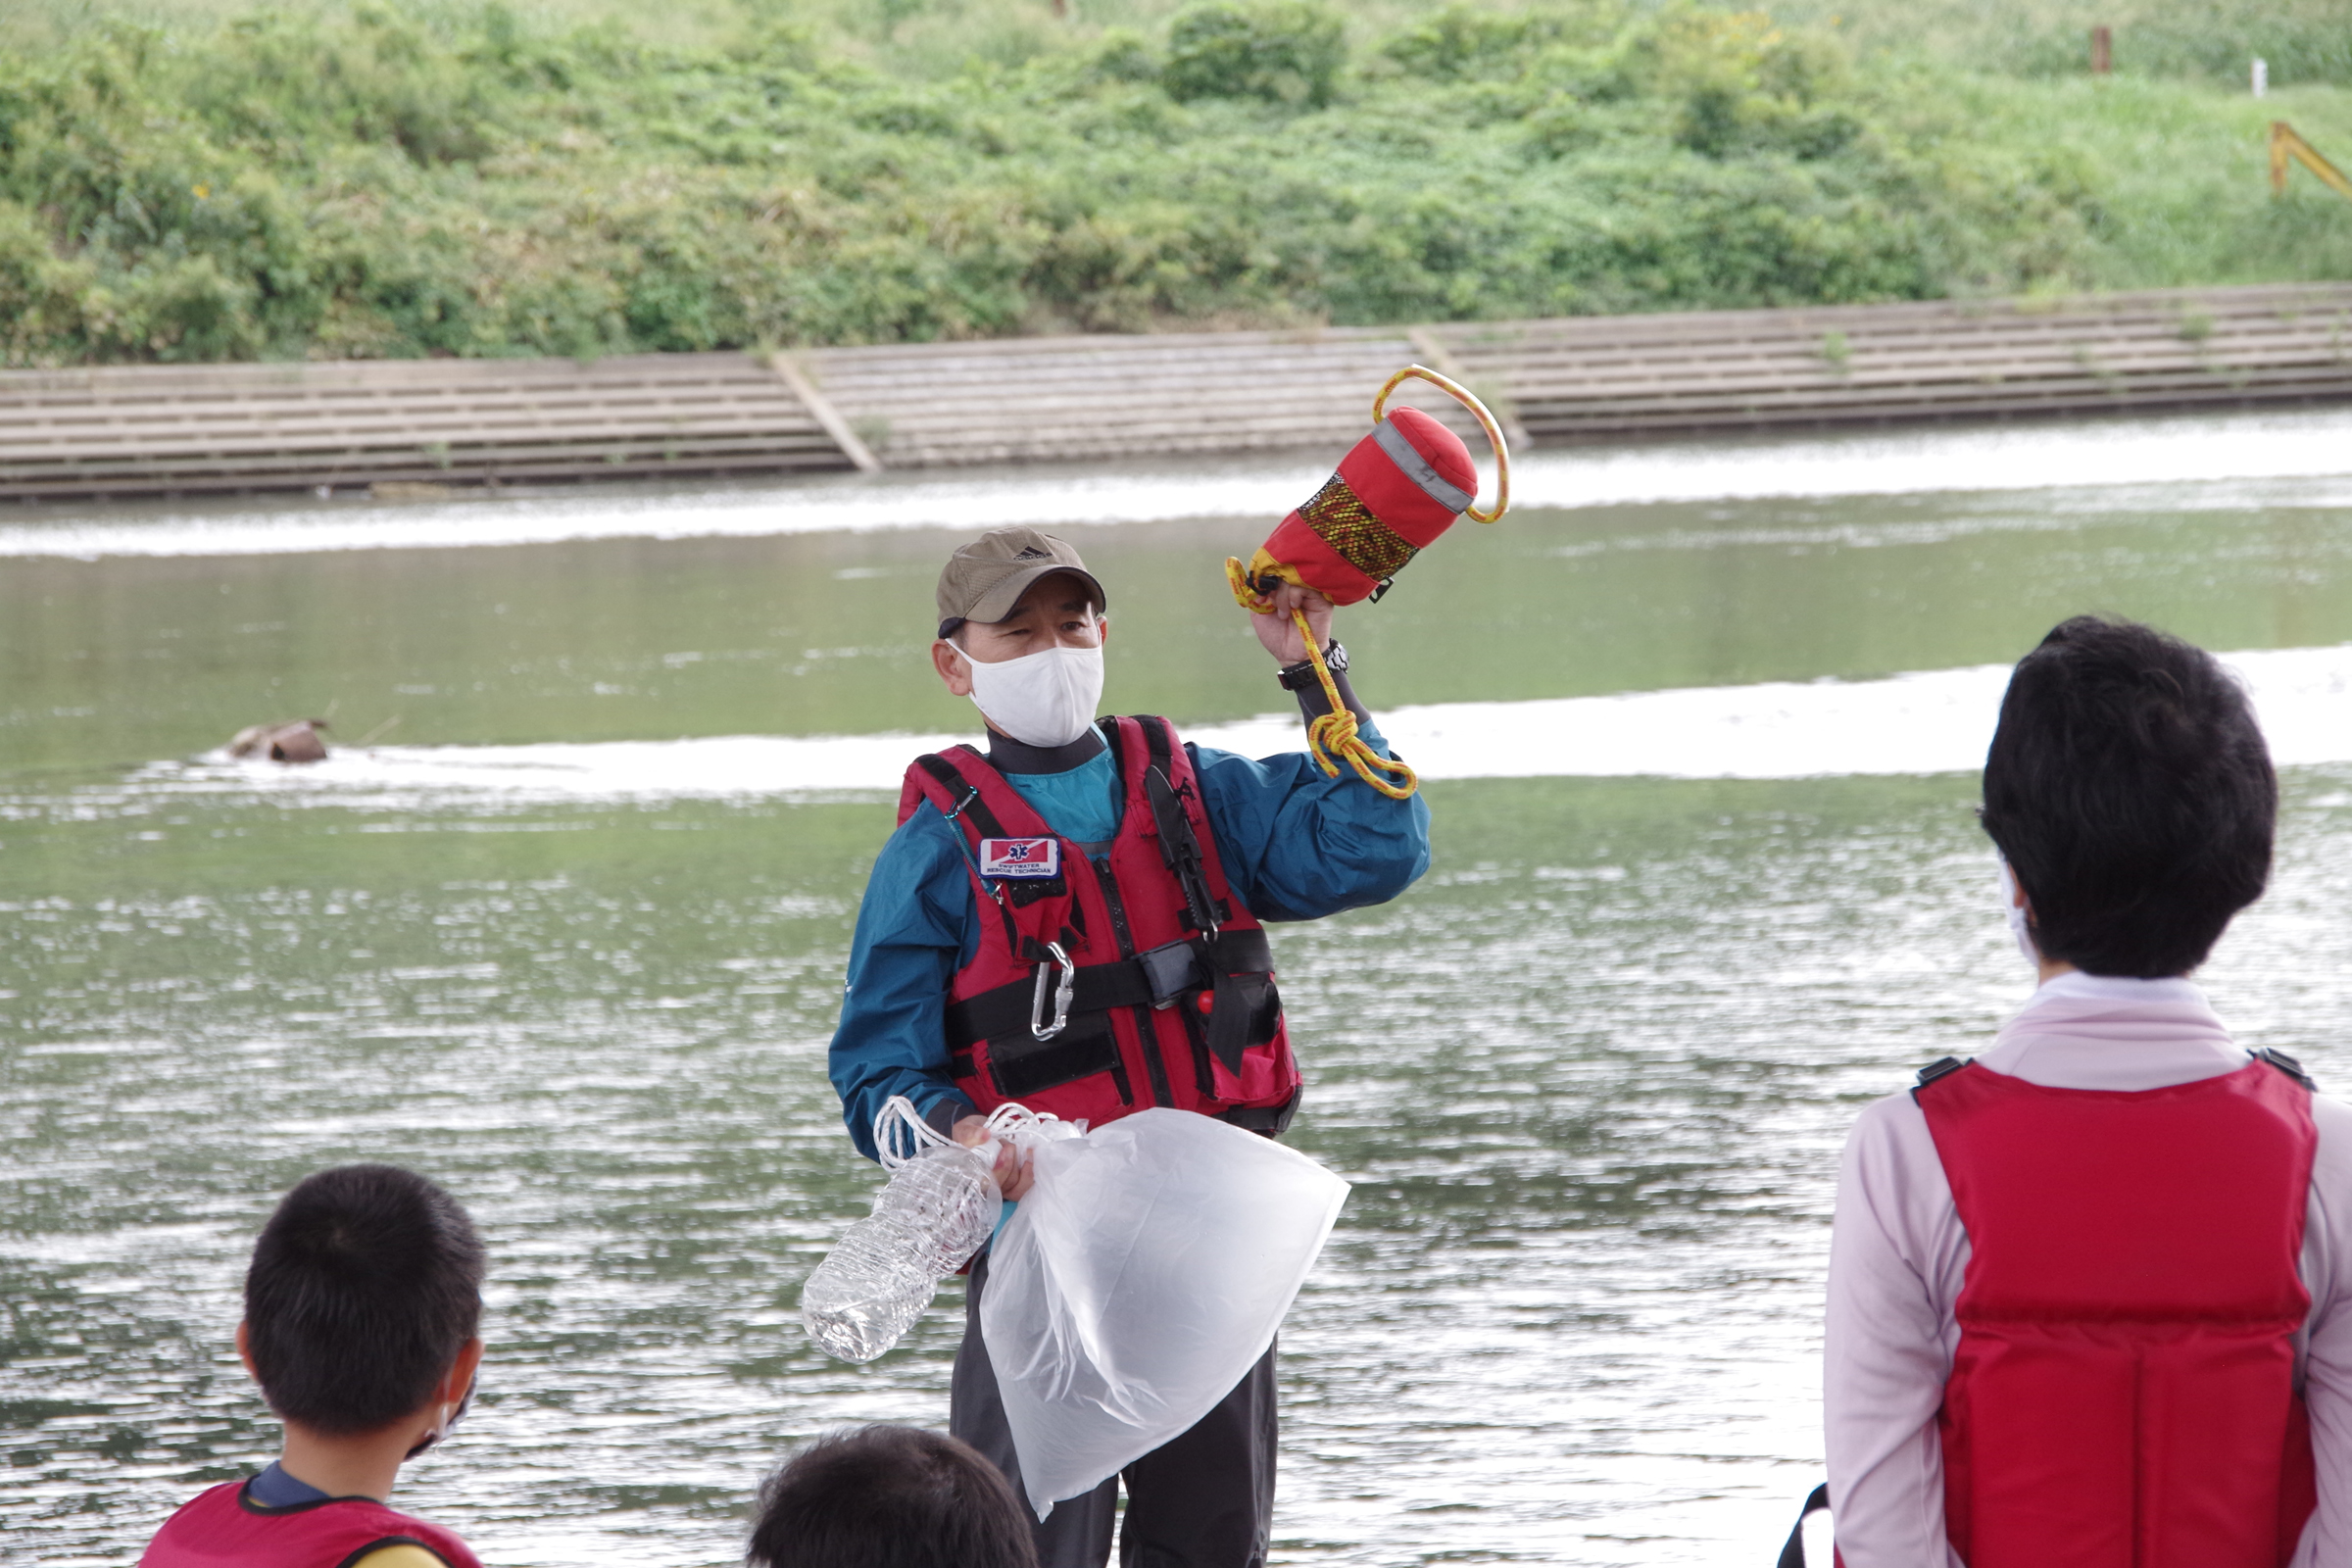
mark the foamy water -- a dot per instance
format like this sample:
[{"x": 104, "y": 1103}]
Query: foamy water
[
  {"x": 1929, "y": 721},
  {"x": 2289, "y": 457}
]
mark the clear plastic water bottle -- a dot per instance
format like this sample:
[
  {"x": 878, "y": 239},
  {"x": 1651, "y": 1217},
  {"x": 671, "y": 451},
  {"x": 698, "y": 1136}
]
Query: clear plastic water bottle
[{"x": 939, "y": 1209}]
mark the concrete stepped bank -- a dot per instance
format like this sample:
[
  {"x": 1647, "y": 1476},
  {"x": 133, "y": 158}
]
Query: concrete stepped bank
[{"x": 150, "y": 430}]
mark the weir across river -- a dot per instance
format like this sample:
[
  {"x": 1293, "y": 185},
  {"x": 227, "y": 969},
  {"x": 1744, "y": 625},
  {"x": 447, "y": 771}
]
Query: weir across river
[{"x": 160, "y": 430}]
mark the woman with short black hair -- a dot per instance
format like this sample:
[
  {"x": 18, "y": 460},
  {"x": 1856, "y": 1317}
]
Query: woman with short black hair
[{"x": 2086, "y": 1291}]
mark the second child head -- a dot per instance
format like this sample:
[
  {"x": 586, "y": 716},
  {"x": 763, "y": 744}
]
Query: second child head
[{"x": 890, "y": 1497}]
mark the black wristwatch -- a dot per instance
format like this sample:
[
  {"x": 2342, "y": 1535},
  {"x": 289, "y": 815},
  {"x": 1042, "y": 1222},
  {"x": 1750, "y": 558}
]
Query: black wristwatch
[{"x": 1300, "y": 677}]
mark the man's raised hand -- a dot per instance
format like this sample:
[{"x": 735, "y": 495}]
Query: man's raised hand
[{"x": 1280, "y": 630}]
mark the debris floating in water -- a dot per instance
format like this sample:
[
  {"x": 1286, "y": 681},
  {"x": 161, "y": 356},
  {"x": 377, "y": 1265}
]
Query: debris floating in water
[{"x": 290, "y": 740}]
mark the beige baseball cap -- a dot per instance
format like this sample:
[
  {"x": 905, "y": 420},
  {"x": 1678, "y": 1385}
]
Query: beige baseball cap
[{"x": 987, "y": 578}]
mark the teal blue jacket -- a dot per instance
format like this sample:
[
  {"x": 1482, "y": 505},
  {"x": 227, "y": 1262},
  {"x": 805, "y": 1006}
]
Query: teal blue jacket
[{"x": 1295, "y": 844}]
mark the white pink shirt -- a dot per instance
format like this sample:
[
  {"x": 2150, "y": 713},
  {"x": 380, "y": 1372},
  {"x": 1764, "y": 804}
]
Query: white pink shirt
[{"x": 1897, "y": 1256}]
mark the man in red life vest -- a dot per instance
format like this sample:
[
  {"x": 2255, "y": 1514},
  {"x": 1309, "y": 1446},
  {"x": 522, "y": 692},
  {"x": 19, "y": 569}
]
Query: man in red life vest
[
  {"x": 2090, "y": 1294},
  {"x": 360, "y": 1310},
  {"x": 1072, "y": 919}
]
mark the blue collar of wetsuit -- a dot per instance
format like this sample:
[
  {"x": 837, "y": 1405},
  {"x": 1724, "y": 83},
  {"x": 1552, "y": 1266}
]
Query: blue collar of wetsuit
[
  {"x": 272, "y": 1488},
  {"x": 1008, "y": 756}
]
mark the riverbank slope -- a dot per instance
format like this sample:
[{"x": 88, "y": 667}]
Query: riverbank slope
[{"x": 331, "y": 183}]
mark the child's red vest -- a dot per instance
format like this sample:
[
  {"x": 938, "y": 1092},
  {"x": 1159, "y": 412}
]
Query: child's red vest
[
  {"x": 1106, "y": 984},
  {"x": 2124, "y": 1392},
  {"x": 219, "y": 1529}
]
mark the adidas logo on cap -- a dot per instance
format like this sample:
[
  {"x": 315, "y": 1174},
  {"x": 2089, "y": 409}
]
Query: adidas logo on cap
[{"x": 984, "y": 579}]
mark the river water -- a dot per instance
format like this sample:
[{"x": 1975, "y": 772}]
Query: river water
[{"x": 1698, "y": 722}]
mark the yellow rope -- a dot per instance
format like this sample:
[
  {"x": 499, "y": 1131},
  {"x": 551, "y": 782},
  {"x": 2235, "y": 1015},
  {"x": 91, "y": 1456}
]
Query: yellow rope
[
  {"x": 1478, "y": 411},
  {"x": 1332, "y": 734}
]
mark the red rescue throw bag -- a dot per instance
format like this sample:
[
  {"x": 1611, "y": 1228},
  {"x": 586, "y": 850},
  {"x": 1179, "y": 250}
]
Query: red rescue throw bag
[
  {"x": 1399, "y": 488},
  {"x": 1392, "y": 494}
]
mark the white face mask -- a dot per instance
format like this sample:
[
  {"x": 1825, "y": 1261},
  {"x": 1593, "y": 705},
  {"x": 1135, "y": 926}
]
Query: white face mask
[
  {"x": 2019, "y": 930},
  {"x": 1046, "y": 697}
]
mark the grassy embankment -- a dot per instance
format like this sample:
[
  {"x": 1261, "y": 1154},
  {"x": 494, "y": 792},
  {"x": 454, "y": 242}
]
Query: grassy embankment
[{"x": 184, "y": 179}]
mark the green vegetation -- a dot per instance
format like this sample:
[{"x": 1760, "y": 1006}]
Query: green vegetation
[{"x": 180, "y": 181}]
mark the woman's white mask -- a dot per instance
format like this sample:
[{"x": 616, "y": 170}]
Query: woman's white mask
[
  {"x": 1046, "y": 697},
  {"x": 2019, "y": 929}
]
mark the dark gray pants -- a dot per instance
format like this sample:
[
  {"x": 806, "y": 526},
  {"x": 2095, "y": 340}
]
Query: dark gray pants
[{"x": 1203, "y": 1501}]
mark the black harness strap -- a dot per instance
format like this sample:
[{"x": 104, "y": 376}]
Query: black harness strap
[
  {"x": 1156, "y": 739},
  {"x": 1941, "y": 1066},
  {"x": 1006, "y": 1010},
  {"x": 1138, "y": 982},
  {"x": 1792, "y": 1556},
  {"x": 968, "y": 794},
  {"x": 1193, "y": 878},
  {"x": 1180, "y": 847},
  {"x": 1109, "y": 727},
  {"x": 2287, "y": 1065},
  {"x": 1269, "y": 1121}
]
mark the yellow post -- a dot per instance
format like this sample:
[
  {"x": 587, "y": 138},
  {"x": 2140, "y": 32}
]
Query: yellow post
[{"x": 2286, "y": 144}]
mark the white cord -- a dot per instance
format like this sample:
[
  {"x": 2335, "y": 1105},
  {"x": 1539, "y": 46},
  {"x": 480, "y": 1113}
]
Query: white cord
[
  {"x": 1011, "y": 1123},
  {"x": 898, "y": 1116},
  {"x": 1016, "y": 1124}
]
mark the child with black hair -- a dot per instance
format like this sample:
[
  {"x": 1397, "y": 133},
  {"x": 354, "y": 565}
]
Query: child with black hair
[
  {"x": 2090, "y": 1294},
  {"x": 361, "y": 1307},
  {"x": 886, "y": 1497}
]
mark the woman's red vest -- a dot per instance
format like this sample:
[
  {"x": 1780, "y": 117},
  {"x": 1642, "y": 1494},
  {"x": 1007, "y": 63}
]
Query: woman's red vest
[
  {"x": 2124, "y": 1395},
  {"x": 1108, "y": 984},
  {"x": 219, "y": 1529}
]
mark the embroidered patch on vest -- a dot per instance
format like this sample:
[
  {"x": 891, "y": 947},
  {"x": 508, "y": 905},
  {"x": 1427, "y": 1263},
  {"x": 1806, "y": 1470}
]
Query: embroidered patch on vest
[
  {"x": 1040, "y": 857},
  {"x": 1341, "y": 520}
]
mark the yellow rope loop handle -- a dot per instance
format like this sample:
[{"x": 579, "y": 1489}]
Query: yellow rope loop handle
[
  {"x": 1478, "y": 411},
  {"x": 1334, "y": 733},
  {"x": 1245, "y": 592}
]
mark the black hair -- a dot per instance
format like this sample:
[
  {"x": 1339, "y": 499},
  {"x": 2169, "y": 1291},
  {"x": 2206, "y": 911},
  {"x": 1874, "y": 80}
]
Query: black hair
[
  {"x": 364, "y": 1287},
  {"x": 887, "y": 1496},
  {"x": 2129, "y": 789}
]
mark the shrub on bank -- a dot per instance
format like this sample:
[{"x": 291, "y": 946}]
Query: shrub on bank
[
  {"x": 370, "y": 184},
  {"x": 1283, "y": 51}
]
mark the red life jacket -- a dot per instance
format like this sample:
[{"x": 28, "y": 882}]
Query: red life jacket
[
  {"x": 1101, "y": 988},
  {"x": 2124, "y": 1392},
  {"x": 220, "y": 1529}
]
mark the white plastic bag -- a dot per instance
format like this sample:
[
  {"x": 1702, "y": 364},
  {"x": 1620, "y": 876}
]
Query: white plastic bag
[{"x": 1143, "y": 1275}]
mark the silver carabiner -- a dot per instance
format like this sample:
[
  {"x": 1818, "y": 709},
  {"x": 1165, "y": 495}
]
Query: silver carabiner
[{"x": 1038, "y": 1027}]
